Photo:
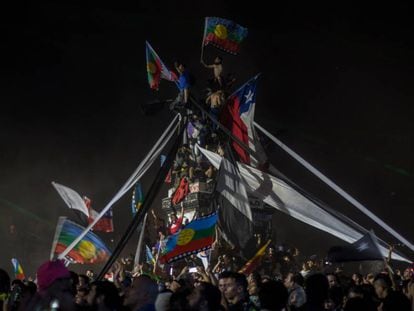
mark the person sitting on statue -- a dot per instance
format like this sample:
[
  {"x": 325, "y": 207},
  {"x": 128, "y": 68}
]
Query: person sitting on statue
[
  {"x": 216, "y": 100},
  {"x": 181, "y": 164}
]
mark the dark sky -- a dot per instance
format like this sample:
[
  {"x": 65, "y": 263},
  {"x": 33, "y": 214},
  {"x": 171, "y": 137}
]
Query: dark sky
[{"x": 336, "y": 86}]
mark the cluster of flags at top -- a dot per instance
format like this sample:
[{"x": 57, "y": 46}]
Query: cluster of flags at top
[
  {"x": 222, "y": 33},
  {"x": 238, "y": 116}
]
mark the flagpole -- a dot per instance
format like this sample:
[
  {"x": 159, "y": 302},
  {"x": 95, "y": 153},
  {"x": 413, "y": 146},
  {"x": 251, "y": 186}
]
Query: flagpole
[
  {"x": 141, "y": 238},
  {"x": 156, "y": 257},
  {"x": 140, "y": 215},
  {"x": 204, "y": 38},
  {"x": 141, "y": 169},
  {"x": 336, "y": 188}
]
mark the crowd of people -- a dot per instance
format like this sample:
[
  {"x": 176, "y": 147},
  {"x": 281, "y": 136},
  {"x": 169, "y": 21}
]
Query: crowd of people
[{"x": 216, "y": 287}]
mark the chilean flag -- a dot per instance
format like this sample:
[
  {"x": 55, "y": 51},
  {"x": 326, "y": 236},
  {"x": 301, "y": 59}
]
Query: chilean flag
[
  {"x": 238, "y": 117},
  {"x": 104, "y": 224}
]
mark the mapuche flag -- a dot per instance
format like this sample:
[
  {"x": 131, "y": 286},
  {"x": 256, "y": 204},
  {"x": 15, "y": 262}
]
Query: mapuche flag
[
  {"x": 224, "y": 34},
  {"x": 195, "y": 237},
  {"x": 156, "y": 69},
  {"x": 91, "y": 249}
]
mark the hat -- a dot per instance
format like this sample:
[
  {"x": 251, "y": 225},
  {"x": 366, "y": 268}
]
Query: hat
[{"x": 49, "y": 272}]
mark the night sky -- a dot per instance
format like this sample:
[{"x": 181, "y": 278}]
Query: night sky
[{"x": 336, "y": 86}]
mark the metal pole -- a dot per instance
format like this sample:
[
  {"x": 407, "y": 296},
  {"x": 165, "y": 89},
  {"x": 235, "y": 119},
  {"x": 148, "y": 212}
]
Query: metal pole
[{"x": 139, "y": 216}]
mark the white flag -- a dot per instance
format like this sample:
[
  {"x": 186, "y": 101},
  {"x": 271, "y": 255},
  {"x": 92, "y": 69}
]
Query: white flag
[
  {"x": 204, "y": 257},
  {"x": 230, "y": 186},
  {"x": 72, "y": 198}
]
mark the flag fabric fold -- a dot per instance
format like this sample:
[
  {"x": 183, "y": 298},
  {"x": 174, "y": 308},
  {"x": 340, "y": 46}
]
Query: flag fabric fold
[
  {"x": 72, "y": 199},
  {"x": 366, "y": 248},
  {"x": 238, "y": 117},
  {"x": 181, "y": 192},
  {"x": 91, "y": 249},
  {"x": 254, "y": 262},
  {"x": 281, "y": 196},
  {"x": 224, "y": 34},
  {"x": 156, "y": 69},
  {"x": 235, "y": 215},
  {"x": 105, "y": 223},
  {"x": 193, "y": 238},
  {"x": 18, "y": 270}
]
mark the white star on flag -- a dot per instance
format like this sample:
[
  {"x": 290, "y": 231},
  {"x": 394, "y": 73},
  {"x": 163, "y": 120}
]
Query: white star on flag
[{"x": 249, "y": 96}]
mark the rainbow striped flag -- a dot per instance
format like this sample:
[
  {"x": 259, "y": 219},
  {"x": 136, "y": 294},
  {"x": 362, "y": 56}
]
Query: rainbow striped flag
[
  {"x": 17, "y": 269},
  {"x": 224, "y": 34},
  {"x": 156, "y": 69},
  {"x": 91, "y": 249},
  {"x": 254, "y": 262},
  {"x": 195, "y": 237}
]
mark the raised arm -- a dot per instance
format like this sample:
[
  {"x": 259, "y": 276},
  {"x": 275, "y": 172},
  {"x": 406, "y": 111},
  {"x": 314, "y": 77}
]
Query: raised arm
[
  {"x": 205, "y": 65},
  {"x": 154, "y": 215},
  {"x": 389, "y": 268}
]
